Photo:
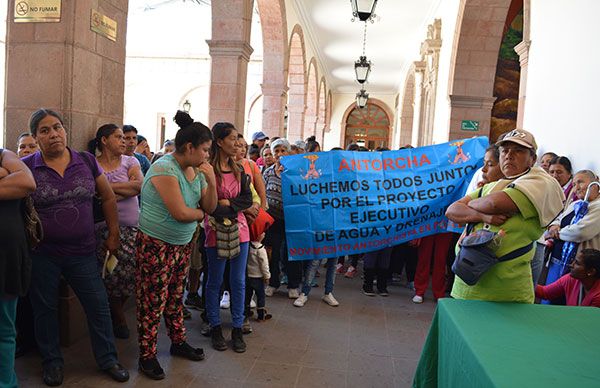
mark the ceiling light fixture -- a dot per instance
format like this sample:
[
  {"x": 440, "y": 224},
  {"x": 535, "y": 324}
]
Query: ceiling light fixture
[
  {"x": 187, "y": 105},
  {"x": 362, "y": 67},
  {"x": 361, "y": 98},
  {"x": 363, "y": 10}
]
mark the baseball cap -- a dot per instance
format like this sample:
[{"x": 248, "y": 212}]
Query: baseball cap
[
  {"x": 521, "y": 137},
  {"x": 260, "y": 135}
]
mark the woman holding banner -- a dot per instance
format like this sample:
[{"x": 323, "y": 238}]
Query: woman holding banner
[
  {"x": 276, "y": 234},
  {"x": 517, "y": 209}
]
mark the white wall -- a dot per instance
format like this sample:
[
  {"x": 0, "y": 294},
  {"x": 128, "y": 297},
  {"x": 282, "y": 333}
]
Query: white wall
[
  {"x": 341, "y": 102},
  {"x": 562, "y": 103}
]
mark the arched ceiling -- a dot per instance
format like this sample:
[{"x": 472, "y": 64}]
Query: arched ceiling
[{"x": 392, "y": 41}]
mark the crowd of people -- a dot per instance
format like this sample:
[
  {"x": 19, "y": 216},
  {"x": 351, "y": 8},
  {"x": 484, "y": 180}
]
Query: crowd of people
[{"x": 206, "y": 214}]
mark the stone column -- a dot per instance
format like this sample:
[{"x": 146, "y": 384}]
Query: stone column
[
  {"x": 274, "y": 98},
  {"x": 230, "y": 50},
  {"x": 295, "y": 119},
  {"x": 470, "y": 108},
  {"x": 419, "y": 67},
  {"x": 523, "y": 50},
  {"x": 66, "y": 67},
  {"x": 310, "y": 122}
]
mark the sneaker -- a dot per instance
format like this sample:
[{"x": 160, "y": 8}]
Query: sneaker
[
  {"x": 410, "y": 286},
  {"x": 284, "y": 279},
  {"x": 351, "y": 272},
  {"x": 269, "y": 291},
  {"x": 368, "y": 291},
  {"x": 252, "y": 303},
  {"x": 194, "y": 301},
  {"x": 237, "y": 340},
  {"x": 293, "y": 293},
  {"x": 417, "y": 299},
  {"x": 187, "y": 314},
  {"x": 225, "y": 300},
  {"x": 383, "y": 292},
  {"x": 339, "y": 269},
  {"x": 217, "y": 339},
  {"x": 301, "y": 300},
  {"x": 330, "y": 300}
]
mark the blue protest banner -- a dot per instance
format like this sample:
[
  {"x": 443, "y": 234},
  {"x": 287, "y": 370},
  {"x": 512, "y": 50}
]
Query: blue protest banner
[{"x": 340, "y": 202}]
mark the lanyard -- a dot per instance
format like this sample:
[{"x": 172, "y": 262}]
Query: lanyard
[{"x": 580, "y": 298}]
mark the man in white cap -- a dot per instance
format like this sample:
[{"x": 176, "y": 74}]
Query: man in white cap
[{"x": 259, "y": 138}]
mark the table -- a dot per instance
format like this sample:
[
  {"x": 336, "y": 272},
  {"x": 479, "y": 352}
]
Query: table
[{"x": 486, "y": 344}]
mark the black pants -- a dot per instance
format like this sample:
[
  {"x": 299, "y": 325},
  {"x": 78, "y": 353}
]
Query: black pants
[
  {"x": 254, "y": 285},
  {"x": 404, "y": 258},
  {"x": 276, "y": 239}
]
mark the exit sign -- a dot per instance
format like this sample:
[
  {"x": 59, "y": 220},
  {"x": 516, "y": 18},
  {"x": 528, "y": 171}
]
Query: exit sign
[{"x": 469, "y": 125}]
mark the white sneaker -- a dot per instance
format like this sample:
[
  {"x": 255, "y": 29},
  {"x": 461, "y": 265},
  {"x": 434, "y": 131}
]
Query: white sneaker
[
  {"x": 330, "y": 300},
  {"x": 269, "y": 291},
  {"x": 252, "y": 303},
  {"x": 293, "y": 293},
  {"x": 301, "y": 300},
  {"x": 417, "y": 299},
  {"x": 225, "y": 300}
]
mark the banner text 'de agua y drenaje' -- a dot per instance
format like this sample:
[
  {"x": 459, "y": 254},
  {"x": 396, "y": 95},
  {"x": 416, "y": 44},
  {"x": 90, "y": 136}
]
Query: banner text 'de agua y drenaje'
[{"x": 341, "y": 202}]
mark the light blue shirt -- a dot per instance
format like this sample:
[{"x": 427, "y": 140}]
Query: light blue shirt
[{"x": 155, "y": 219}]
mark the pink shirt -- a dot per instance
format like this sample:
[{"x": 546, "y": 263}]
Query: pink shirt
[
  {"x": 129, "y": 209},
  {"x": 229, "y": 188},
  {"x": 569, "y": 287}
]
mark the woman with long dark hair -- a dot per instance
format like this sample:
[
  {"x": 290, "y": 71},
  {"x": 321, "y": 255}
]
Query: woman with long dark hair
[
  {"x": 178, "y": 191},
  {"x": 67, "y": 181},
  {"x": 227, "y": 236},
  {"x": 125, "y": 178}
]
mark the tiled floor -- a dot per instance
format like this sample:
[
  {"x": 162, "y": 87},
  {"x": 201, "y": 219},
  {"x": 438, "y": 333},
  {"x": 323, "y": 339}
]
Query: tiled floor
[{"x": 365, "y": 342}]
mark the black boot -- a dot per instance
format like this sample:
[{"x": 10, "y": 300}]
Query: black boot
[
  {"x": 218, "y": 342},
  {"x": 237, "y": 339},
  {"x": 382, "y": 282},
  {"x": 369, "y": 274}
]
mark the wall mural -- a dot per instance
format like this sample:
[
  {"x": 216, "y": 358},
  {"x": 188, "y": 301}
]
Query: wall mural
[{"x": 508, "y": 73}]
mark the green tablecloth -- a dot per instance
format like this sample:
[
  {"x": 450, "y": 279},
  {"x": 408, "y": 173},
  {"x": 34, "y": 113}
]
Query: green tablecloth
[{"x": 485, "y": 344}]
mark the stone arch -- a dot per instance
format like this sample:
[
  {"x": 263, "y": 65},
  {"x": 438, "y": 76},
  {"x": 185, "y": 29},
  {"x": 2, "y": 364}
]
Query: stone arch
[
  {"x": 321, "y": 111},
  {"x": 371, "y": 102},
  {"x": 252, "y": 121},
  {"x": 328, "y": 110},
  {"x": 407, "y": 110},
  {"x": 296, "y": 102},
  {"x": 312, "y": 100},
  {"x": 475, "y": 49},
  {"x": 275, "y": 64}
]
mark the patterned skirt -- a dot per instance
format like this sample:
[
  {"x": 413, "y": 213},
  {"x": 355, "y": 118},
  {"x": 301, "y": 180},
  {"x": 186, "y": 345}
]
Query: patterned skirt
[{"x": 121, "y": 283}]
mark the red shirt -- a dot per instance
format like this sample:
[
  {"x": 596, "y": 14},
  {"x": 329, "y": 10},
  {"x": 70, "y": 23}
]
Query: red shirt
[{"x": 569, "y": 287}]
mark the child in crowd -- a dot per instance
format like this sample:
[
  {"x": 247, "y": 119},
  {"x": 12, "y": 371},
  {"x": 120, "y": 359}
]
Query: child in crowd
[{"x": 257, "y": 277}]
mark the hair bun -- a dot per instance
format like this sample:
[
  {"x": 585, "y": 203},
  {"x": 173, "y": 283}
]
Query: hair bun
[
  {"x": 183, "y": 119},
  {"x": 311, "y": 138}
]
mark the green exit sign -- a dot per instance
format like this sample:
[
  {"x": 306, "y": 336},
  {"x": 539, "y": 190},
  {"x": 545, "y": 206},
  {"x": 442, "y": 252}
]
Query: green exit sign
[{"x": 469, "y": 125}]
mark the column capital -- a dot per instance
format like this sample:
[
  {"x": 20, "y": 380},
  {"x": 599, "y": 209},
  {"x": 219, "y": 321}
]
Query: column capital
[
  {"x": 274, "y": 90},
  {"x": 478, "y": 102},
  {"x": 229, "y": 48},
  {"x": 419, "y": 66},
  {"x": 522, "y": 49}
]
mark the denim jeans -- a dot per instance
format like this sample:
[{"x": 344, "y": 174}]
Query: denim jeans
[
  {"x": 237, "y": 281},
  {"x": 310, "y": 268},
  {"x": 83, "y": 276},
  {"x": 8, "y": 336},
  {"x": 254, "y": 286}
]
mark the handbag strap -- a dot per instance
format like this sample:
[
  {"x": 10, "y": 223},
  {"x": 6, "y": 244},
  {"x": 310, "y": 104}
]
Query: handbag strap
[
  {"x": 471, "y": 225},
  {"x": 516, "y": 253}
]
